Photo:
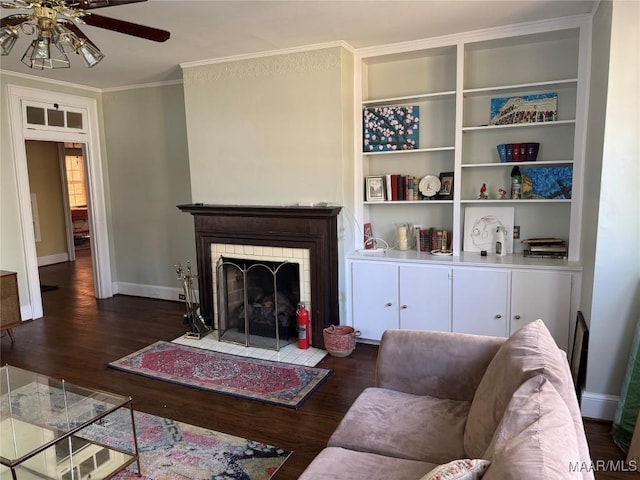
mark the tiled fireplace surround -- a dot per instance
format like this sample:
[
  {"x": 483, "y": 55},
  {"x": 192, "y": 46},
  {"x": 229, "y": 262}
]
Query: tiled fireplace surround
[{"x": 303, "y": 235}]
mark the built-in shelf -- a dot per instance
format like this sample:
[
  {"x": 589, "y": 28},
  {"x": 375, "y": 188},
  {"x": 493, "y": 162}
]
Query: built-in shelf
[
  {"x": 519, "y": 125},
  {"x": 521, "y": 88},
  {"x": 524, "y": 200},
  {"x": 413, "y": 150},
  {"x": 410, "y": 99},
  {"x": 544, "y": 163},
  {"x": 405, "y": 202}
]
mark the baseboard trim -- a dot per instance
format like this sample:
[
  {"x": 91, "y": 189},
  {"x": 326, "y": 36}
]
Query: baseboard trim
[
  {"x": 52, "y": 259},
  {"x": 149, "y": 291},
  {"x": 598, "y": 405}
]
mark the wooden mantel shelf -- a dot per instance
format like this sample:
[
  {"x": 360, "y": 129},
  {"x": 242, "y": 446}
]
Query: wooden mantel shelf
[{"x": 261, "y": 210}]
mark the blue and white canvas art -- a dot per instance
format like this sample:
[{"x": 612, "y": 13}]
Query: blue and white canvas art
[
  {"x": 547, "y": 182},
  {"x": 390, "y": 128},
  {"x": 541, "y": 107}
]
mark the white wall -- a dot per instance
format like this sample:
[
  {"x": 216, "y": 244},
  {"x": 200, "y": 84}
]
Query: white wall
[
  {"x": 615, "y": 301},
  {"x": 148, "y": 159}
]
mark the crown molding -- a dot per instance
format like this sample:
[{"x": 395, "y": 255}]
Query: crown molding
[
  {"x": 494, "y": 33},
  {"x": 50, "y": 81},
  {"x": 269, "y": 53},
  {"x": 143, "y": 85}
]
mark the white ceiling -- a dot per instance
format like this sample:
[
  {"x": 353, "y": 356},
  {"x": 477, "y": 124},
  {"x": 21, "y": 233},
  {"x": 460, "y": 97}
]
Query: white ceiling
[{"x": 209, "y": 29}]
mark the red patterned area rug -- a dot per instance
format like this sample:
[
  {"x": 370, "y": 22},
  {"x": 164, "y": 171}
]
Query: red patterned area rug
[
  {"x": 171, "y": 450},
  {"x": 272, "y": 382}
]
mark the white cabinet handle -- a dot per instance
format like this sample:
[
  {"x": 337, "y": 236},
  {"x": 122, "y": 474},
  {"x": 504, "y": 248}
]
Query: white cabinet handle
[
  {"x": 404, "y": 307},
  {"x": 498, "y": 316},
  {"x": 388, "y": 304},
  {"x": 517, "y": 317}
]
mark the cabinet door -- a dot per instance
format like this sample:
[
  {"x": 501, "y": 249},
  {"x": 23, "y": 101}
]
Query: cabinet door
[
  {"x": 425, "y": 298},
  {"x": 480, "y": 301},
  {"x": 374, "y": 288},
  {"x": 545, "y": 295}
]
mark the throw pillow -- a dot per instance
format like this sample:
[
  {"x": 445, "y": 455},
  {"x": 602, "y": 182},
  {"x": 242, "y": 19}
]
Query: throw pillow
[{"x": 464, "y": 469}]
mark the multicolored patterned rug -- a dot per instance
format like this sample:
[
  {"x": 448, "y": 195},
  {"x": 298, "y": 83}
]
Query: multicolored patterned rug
[
  {"x": 272, "y": 382},
  {"x": 171, "y": 450}
]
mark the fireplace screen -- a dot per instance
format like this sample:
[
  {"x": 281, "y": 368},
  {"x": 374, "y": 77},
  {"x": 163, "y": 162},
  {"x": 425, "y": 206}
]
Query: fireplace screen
[{"x": 257, "y": 302}]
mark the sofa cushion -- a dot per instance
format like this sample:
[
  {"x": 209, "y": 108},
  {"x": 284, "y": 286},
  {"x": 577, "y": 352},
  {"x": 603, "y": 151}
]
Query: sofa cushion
[
  {"x": 536, "y": 438},
  {"x": 463, "y": 469},
  {"x": 528, "y": 352},
  {"x": 403, "y": 425},
  {"x": 335, "y": 463}
]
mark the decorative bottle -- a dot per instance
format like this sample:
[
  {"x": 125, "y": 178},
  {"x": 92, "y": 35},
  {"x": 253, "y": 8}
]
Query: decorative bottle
[
  {"x": 516, "y": 183},
  {"x": 501, "y": 241}
]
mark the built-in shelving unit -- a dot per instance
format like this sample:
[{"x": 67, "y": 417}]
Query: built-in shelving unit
[{"x": 453, "y": 81}]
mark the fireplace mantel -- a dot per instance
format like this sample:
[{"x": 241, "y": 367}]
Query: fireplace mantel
[{"x": 313, "y": 228}]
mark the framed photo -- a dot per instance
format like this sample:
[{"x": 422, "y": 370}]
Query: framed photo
[
  {"x": 375, "y": 189},
  {"x": 579, "y": 353},
  {"x": 446, "y": 189}
]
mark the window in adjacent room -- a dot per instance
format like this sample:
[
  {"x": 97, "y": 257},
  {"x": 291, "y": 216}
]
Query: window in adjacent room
[{"x": 74, "y": 163}]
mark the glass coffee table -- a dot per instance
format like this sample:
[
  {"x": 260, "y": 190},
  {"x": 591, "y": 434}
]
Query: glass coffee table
[{"x": 51, "y": 429}]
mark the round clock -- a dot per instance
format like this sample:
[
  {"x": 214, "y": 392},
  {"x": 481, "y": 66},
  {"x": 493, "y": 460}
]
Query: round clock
[{"x": 429, "y": 185}]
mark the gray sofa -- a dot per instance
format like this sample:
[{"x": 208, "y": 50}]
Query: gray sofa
[{"x": 442, "y": 397}]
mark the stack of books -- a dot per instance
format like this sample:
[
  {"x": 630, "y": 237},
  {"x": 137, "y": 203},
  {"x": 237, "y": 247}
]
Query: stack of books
[
  {"x": 431, "y": 239},
  {"x": 545, "y": 248}
]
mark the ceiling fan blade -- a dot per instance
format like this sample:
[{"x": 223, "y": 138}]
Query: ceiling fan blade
[
  {"x": 13, "y": 20},
  {"x": 89, "y": 4},
  {"x": 127, "y": 28}
]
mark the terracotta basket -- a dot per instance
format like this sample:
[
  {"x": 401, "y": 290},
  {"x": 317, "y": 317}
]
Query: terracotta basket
[{"x": 340, "y": 340}]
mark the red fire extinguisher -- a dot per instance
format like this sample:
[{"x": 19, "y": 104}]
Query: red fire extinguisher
[{"x": 302, "y": 317}]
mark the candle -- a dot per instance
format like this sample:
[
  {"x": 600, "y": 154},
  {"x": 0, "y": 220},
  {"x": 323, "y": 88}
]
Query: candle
[{"x": 403, "y": 237}]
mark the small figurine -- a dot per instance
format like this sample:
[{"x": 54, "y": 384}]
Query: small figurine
[
  {"x": 503, "y": 193},
  {"x": 483, "y": 192}
]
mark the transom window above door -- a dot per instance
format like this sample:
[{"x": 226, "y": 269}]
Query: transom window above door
[{"x": 56, "y": 117}]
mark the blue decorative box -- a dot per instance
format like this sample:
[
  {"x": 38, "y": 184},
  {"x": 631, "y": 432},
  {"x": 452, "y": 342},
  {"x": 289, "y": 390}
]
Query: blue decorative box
[
  {"x": 390, "y": 128},
  {"x": 547, "y": 182}
]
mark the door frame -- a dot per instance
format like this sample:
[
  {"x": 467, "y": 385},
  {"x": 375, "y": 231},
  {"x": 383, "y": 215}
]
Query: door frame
[
  {"x": 68, "y": 222},
  {"x": 97, "y": 221}
]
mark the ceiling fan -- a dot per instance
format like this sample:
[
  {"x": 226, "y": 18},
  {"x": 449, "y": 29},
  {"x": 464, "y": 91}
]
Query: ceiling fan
[{"x": 55, "y": 22}]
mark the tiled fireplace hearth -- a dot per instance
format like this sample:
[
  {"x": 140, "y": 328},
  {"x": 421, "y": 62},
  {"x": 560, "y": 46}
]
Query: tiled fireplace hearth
[{"x": 304, "y": 235}]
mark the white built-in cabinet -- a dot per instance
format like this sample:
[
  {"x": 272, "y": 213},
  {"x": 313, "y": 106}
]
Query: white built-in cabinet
[
  {"x": 480, "y": 301},
  {"x": 452, "y": 80},
  {"x": 546, "y": 295},
  {"x": 496, "y": 301},
  {"x": 390, "y": 296}
]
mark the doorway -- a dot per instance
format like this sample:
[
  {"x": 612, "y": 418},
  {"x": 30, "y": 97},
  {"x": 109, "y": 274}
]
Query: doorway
[
  {"x": 76, "y": 122},
  {"x": 60, "y": 208}
]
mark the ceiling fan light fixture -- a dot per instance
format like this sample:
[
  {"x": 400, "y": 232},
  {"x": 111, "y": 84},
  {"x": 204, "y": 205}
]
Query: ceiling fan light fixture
[
  {"x": 39, "y": 55},
  {"x": 64, "y": 38},
  {"x": 8, "y": 37},
  {"x": 54, "y": 23},
  {"x": 89, "y": 52}
]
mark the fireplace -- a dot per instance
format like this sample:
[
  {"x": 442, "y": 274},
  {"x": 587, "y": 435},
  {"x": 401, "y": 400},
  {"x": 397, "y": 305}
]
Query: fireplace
[{"x": 306, "y": 236}]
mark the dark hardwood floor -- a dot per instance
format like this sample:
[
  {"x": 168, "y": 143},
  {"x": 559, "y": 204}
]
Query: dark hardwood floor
[{"x": 78, "y": 335}]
